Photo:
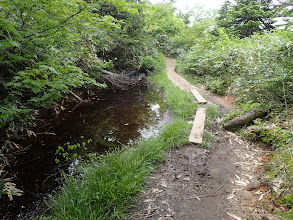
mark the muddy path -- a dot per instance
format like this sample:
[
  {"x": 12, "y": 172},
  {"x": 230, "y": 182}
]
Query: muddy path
[{"x": 225, "y": 181}]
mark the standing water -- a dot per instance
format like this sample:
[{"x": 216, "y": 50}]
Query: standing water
[{"x": 110, "y": 121}]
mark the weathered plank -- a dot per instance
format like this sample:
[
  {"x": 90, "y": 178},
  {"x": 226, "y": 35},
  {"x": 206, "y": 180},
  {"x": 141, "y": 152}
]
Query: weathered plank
[
  {"x": 198, "y": 96},
  {"x": 198, "y": 126}
]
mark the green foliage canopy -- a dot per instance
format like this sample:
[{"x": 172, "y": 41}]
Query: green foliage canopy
[
  {"x": 284, "y": 10},
  {"x": 245, "y": 18}
]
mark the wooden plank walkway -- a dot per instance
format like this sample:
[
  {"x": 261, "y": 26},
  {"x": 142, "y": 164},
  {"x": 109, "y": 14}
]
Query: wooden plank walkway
[
  {"x": 198, "y": 96},
  {"x": 177, "y": 79},
  {"x": 198, "y": 126},
  {"x": 199, "y": 120}
]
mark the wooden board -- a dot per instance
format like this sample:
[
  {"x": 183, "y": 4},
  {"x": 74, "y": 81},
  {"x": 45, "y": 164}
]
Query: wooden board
[
  {"x": 198, "y": 126},
  {"x": 198, "y": 97}
]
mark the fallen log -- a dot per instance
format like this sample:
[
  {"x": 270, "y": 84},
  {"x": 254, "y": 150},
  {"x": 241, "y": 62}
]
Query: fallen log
[
  {"x": 108, "y": 72},
  {"x": 244, "y": 120},
  {"x": 120, "y": 81}
]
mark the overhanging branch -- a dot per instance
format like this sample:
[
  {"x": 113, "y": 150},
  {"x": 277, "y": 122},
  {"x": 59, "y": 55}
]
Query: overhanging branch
[{"x": 62, "y": 22}]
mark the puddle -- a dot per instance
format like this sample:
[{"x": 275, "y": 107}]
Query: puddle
[{"x": 113, "y": 120}]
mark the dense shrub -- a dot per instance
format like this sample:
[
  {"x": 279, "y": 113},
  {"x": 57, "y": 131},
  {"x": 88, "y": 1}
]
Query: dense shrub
[
  {"x": 257, "y": 68},
  {"x": 49, "y": 48}
]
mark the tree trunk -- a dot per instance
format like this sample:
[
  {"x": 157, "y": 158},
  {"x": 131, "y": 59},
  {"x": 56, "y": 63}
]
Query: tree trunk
[{"x": 244, "y": 120}]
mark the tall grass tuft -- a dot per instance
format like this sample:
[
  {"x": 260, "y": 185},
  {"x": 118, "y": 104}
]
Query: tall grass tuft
[{"x": 106, "y": 189}]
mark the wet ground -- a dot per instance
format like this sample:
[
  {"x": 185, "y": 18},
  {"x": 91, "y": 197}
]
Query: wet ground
[{"x": 110, "y": 120}]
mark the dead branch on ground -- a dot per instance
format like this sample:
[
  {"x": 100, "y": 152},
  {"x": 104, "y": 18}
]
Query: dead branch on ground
[{"x": 121, "y": 81}]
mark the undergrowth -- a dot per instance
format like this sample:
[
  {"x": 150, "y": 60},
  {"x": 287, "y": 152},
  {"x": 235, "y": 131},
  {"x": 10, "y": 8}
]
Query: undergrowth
[
  {"x": 240, "y": 109},
  {"x": 212, "y": 113},
  {"x": 107, "y": 187},
  {"x": 257, "y": 69},
  {"x": 207, "y": 139}
]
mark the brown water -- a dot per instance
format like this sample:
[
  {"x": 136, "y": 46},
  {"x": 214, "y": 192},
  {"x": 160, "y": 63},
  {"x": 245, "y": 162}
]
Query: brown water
[{"x": 110, "y": 120}]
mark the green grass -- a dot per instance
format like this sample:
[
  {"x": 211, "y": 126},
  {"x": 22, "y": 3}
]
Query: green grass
[
  {"x": 212, "y": 113},
  {"x": 207, "y": 139},
  {"x": 181, "y": 103},
  {"x": 106, "y": 188}
]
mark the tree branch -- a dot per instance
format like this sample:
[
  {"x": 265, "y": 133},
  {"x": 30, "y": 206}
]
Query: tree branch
[
  {"x": 76, "y": 96},
  {"x": 26, "y": 17},
  {"x": 62, "y": 22}
]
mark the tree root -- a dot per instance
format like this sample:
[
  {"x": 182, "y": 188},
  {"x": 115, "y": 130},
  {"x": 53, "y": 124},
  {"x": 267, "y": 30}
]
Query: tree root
[{"x": 76, "y": 96}]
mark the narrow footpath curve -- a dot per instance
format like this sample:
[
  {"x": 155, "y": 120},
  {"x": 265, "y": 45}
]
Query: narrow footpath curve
[
  {"x": 224, "y": 182},
  {"x": 176, "y": 78}
]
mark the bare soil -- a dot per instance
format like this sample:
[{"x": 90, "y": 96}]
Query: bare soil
[{"x": 225, "y": 181}]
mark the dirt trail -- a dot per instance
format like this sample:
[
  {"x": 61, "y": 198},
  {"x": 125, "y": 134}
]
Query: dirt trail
[
  {"x": 225, "y": 102},
  {"x": 176, "y": 78},
  {"x": 223, "y": 182}
]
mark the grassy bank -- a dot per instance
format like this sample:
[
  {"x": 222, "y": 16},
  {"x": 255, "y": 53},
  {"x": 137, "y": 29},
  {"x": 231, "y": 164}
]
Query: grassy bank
[{"x": 106, "y": 188}]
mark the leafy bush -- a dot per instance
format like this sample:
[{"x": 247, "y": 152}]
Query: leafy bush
[
  {"x": 255, "y": 69},
  {"x": 216, "y": 85},
  {"x": 148, "y": 63},
  {"x": 50, "y": 48}
]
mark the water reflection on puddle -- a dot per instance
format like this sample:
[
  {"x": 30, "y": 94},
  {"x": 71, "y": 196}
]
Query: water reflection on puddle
[{"x": 159, "y": 120}]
